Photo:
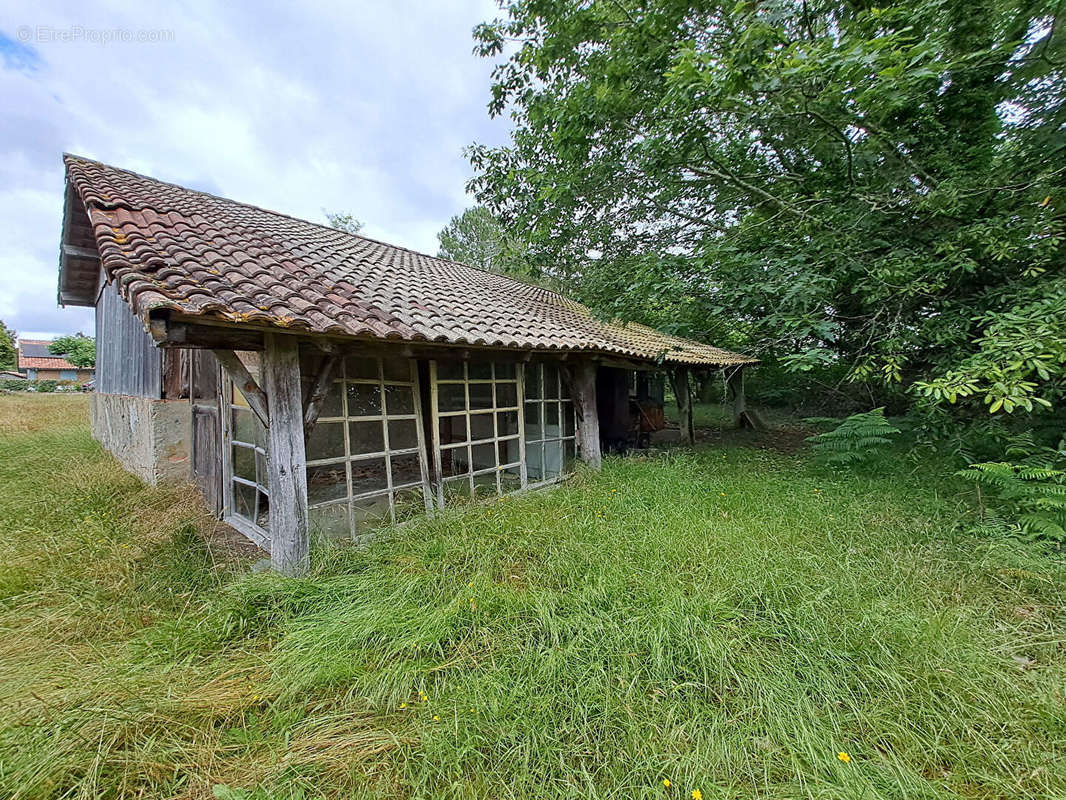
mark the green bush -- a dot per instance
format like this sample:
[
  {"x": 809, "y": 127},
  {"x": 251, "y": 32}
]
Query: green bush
[
  {"x": 1032, "y": 499},
  {"x": 12, "y": 384},
  {"x": 45, "y": 386},
  {"x": 857, "y": 439}
]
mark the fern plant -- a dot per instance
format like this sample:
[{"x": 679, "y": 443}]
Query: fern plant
[
  {"x": 857, "y": 439},
  {"x": 1035, "y": 496}
]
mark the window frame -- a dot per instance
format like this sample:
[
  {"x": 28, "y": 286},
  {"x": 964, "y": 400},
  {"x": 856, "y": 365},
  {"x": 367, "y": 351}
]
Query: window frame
[
  {"x": 563, "y": 399},
  {"x": 249, "y": 527}
]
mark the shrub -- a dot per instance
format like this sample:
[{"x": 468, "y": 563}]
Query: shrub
[
  {"x": 857, "y": 439},
  {"x": 45, "y": 386},
  {"x": 1032, "y": 498}
]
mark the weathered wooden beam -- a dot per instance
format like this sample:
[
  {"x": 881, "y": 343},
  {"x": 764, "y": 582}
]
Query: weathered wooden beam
[
  {"x": 242, "y": 378},
  {"x": 584, "y": 397},
  {"x": 319, "y": 390},
  {"x": 679, "y": 379},
  {"x": 290, "y": 548},
  {"x": 73, "y": 251}
]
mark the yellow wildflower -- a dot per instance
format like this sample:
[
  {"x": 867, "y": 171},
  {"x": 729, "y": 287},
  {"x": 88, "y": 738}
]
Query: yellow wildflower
[
  {"x": 697, "y": 794},
  {"x": 436, "y": 718},
  {"x": 844, "y": 757},
  {"x": 403, "y": 705},
  {"x": 666, "y": 782}
]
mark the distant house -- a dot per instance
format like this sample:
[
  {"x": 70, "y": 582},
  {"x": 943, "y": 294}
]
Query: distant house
[
  {"x": 36, "y": 363},
  {"x": 313, "y": 381}
]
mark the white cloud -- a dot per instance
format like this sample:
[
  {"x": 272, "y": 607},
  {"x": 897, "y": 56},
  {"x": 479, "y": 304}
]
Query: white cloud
[{"x": 362, "y": 108}]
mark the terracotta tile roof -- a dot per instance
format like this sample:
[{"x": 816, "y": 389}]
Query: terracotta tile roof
[
  {"x": 168, "y": 247},
  {"x": 34, "y": 354}
]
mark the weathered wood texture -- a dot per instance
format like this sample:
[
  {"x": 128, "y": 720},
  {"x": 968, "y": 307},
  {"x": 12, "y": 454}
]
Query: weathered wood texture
[
  {"x": 127, "y": 360},
  {"x": 289, "y": 538},
  {"x": 679, "y": 379},
  {"x": 243, "y": 380},
  {"x": 584, "y": 396},
  {"x": 319, "y": 390},
  {"x": 176, "y": 365},
  {"x": 206, "y": 427}
]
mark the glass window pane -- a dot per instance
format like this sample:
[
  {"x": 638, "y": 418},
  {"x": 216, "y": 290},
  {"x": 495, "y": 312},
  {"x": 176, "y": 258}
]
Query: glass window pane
[
  {"x": 326, "y": 482},
  {"x": 506, "y": 395},
  {"x": 396, "y": 369},
  {"x": 262, "y": 515},
  {"x": 368, "y": 475},
  {"x": 326, "y": 441},
  {"x": 408, "y": 504},
  {"x": 361, "y": 367},
  {"x": 364, "y": 400},
  {"x": 455, "y": 461},
  {"x": 450, "y": 371},
  {"x": 480, "y": 370},
  {"x": 533, "y": 429},
  {"x": 535, "y": 462},
  {"x": 569, "y": 456},
  {"x": 262, "y": 469},
  {"x": 568, "y": 419},
  {"x": 510, "y": 480},
  {"x": 509, "y": 451},
  {"x": 331, "y": 403},
  {"x": 551, "y": 381},
  {"x": 553, "y": 459},
  {"x": 406, "y": 469},
  {"x": 485, "y": 485},
  {"x": 480, "y": 395},
  {"x": 481, "y": 426},
  {"x": 399, "y": 400},
  {"x": 402, "y": 434},
  {"x": 483, "y": 456},
  {"x": 551, "y": 420},
  {"x": 366, "y": 437},
  {"x": 244, "y": 462},
  {"x": 452, "y": 429},
  {"x": 370, "y": 512},
  {"x": 243, "y": 425},
  {"x": 505, "y": 370},
  {"x": 451, "y": 397},
  {"x": 244, "y": 500},
  {"x": 507, "y": 423},
  {"x": 533, "y": 373},
  {"x": 456, "y": 491},
  {"x": 330, "y": 521}
]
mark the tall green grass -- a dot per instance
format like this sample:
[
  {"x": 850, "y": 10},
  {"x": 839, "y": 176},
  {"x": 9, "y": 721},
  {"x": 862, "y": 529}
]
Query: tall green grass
[{"x": 728, "y": 619}]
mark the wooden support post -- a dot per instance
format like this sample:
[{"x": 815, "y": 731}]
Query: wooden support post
[
  {"x": 290, "y": 551},
  {"x": 584, "y": 396},
  {"x": 735, "y": 382},
  {"x": 243, "y": 380},
  {"x": 319, "y": 390},
  {"x": 679, "y": 379}
]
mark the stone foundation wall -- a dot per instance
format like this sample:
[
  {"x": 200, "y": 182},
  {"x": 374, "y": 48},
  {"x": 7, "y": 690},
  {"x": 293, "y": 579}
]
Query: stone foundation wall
[{"x": 150, "y": 438}]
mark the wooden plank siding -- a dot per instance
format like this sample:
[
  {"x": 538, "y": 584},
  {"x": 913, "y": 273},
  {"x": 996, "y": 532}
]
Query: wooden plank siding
[{"x": 127, "y": 360}]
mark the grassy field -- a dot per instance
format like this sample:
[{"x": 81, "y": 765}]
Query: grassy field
[{"x": 731, "y": 621}]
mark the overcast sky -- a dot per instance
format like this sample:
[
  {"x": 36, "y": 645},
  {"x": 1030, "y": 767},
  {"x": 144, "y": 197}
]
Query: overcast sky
[{"x": 361, "y": 107}]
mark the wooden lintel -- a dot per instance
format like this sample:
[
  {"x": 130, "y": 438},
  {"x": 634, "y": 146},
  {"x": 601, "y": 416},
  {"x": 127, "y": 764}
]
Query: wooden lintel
[
  {"x": 168, "y": 333},
  {"x": 319, "y": 390},
  {"x": 243, "y": 380}
]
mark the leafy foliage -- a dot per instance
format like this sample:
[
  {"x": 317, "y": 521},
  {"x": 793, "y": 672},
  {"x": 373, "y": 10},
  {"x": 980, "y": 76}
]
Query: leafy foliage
[
  {"x": 79, "y": 350},
  {"x": 343, "y": 222},
  {"x": 8, "y": 351},
  {"x": 857, "y": 439},
  {"x": 872, "y": 185},
  {"x": 476, "y": 237},
  {"x": 1035, "y": 496}
]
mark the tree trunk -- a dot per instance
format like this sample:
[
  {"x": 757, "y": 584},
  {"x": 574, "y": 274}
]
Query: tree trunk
[
  {"x": 584, "y": 395},
  {"x": 683, "y": 392}
]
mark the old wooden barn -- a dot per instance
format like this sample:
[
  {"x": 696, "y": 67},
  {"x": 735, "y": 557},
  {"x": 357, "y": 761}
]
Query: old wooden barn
[{"x": 311, "y": 381}]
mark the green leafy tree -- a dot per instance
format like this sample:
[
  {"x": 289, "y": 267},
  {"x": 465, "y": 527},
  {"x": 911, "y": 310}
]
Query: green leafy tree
[
  {"x": 343, "y": 222},
  {"x": 877, "y": 187},
  {"x": 79, "y": 350},
  {"x": 475, "y": 237},
  {"x": 8, "y": 351}
]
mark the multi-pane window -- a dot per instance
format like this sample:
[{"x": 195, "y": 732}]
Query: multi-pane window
[
  {"x": 549, "y": 423},
  {"x": 364, "y": 466},
  {"x": 477, "y": 442},
  {"x": 248, "y": 494}
]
